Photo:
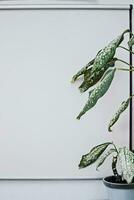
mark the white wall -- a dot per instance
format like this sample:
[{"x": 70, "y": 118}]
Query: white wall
[{"x": 49, "y": 190}]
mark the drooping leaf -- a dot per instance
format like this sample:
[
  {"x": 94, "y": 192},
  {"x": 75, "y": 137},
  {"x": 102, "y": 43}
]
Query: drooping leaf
[
  {"x": 107, "y": 53},
  {"x": 131, "y": 41},
  {"x": 91, "y": 79},
  {"x": 126, "y": 159},
  {"x": 87, "y": 74},
  {"x": 103, "y": 157},
  {"x": 93, "y": 155},
  {"x": 121, "y": 109},
  {"x": 99, "y": 64},
  {"x": 82, "y": 71},
  {"x": 99, "y": 91}
]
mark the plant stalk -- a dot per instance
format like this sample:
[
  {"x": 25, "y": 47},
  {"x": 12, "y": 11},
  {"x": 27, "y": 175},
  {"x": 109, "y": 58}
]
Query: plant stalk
[
  {"x": 125, "y": 62},
  {"x": 132, "y": 96},
  {"x": 128, "y": 31},
  {"x": 115, "y": 147},
  {"x": 114, "y": 164},
  {"x": 124, "y": 69},
  {"x": 126, "y": 49}
]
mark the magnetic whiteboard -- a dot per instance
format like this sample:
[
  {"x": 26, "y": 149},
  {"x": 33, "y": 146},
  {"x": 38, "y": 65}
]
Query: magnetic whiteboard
[{"x": 40, "y": 50}]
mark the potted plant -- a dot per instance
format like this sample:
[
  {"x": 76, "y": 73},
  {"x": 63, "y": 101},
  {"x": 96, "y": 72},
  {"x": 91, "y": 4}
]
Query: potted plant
[{"x": 99, "y": 73}]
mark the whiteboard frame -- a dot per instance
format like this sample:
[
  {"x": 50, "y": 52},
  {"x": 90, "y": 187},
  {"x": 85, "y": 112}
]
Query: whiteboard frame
[
  {"x": 42, "y": 6},
  {"x": 30, "y": 6}
]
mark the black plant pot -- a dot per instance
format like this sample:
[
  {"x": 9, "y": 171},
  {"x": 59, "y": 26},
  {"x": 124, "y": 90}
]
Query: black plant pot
[{"x": 118, "y": 190}]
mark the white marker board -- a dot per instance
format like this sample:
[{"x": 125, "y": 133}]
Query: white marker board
[{"x": 40, "y": 50}]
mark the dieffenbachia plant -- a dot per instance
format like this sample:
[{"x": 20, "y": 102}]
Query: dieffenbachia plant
[
  {"x": 99, "y": 74},
  {"x": 124, "y": 156}
]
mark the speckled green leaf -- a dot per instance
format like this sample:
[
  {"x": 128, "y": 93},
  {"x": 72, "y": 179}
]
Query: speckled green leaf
[
  {"x": 93, "y": 155},
  {"x": 126, "y": 159},
  {"x": 106, "y": 54},
  {"x": 82, "y": 71},
  {"x": 131, "y": 41},
  {"x": 103, "y": 157},
  {"x": 91, "y": 79},
  {"x": 121, "y": 109},
  {"x": 100, "y": 64},
  {"x": 87, "y": 74},
  {"x": 99, "y": 91}
]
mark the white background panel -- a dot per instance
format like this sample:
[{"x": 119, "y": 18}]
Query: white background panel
[{"x": 40, "y": 51}]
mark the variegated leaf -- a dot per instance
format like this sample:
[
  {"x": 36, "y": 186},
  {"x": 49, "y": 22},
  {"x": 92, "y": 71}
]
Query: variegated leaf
[
  {"x": 131, "y": 41},
  {"x": 82, "y": 71},
  {"x": 121, "y": 109},
  {"x": 92, "y": 78},
  {"x": 106, "y": 54},
  {"x": 93, "y": 155},
  {"x": 87, "y": 74},
  {"x": 126, "y": 158},
  {"x": 103, "y": 157},
  {"x": 99, "y": 91}
]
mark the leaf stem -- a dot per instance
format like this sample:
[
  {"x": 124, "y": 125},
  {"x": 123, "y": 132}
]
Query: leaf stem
[
  {"x": 124, "y": 69},
  {"x": 115, "y": 147},
  {"x": 125, "y": 62},
  {"x": 126, "y": 49},
  {"x": 131, "y": 96},
  {"x": 128, "y": 31}
]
